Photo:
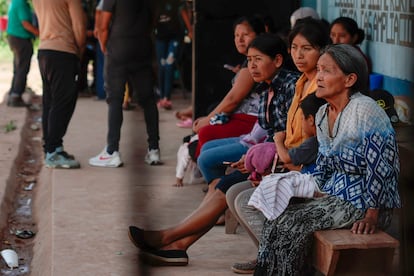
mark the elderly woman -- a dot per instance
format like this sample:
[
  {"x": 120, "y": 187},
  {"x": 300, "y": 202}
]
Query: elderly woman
[{"x": 357, "y": 168}]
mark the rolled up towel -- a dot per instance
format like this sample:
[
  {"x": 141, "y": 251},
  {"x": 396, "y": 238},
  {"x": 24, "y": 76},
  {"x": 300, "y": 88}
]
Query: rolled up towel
[{"x": 259, "y": 158}]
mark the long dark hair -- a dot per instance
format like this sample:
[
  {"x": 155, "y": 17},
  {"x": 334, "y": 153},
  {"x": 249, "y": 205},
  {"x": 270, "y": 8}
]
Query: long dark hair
[
  {"x": 310, "y": 105},
  {"x": 313, "y": 30},
  {"x": 255, "y": 22},
  {"x": 351, "y": 27},
  {"x": 270, "y": 45}
]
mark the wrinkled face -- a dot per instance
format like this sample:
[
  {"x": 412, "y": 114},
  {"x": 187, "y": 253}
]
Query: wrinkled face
[
  {"x": 304, "y": 55},
  {"x": 330, "y": 78},
  {"x": 243, "y": 35},
  {"x": 339, "y": 35},
  {"x": 261, "y": 66}
]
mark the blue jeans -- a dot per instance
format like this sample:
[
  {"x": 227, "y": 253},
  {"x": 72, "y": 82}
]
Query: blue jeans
[
  {"x": 166, "y": 56},
  {"x": 214, "y": 152}
]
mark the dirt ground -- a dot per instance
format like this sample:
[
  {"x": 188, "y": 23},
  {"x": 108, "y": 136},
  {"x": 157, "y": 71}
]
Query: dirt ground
[{"x": 20, "y": 229}]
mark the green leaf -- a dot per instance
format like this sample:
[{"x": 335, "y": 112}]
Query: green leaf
[{"x": 10, "y": 126}]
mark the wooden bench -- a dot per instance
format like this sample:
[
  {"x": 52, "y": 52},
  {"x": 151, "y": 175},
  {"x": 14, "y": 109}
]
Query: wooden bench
[{"x": 339, "y": 251}]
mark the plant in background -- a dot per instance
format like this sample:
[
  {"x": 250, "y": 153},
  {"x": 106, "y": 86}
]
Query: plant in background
[
  {"x": 4, "y": 6},
  {"x": 10, "y": 126}
]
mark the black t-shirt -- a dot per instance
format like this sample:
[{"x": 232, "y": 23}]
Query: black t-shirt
[
  {"x": 168, "y": 25},
  {"x": 306, "y": 153},
  {"x": 130, "y": 31},
  {"x": 130, "y": 18}
]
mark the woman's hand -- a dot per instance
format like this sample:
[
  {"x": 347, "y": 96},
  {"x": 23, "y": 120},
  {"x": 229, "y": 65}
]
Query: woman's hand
[
  {"x": 236, "y": 68},
  {"x": 368, "y": 224},
  {"x": 279, "y": 137},
  {"x": 281, "y": 149},
  {"x": 239, "y": 165},
  {"x": 292, "y": 167},
  {"x": 255, "y": 183},
  {"x": 199, "y": 123}
]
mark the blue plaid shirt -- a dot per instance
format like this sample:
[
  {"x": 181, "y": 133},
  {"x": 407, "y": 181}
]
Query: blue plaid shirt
[{"x": 283, "y": 85}]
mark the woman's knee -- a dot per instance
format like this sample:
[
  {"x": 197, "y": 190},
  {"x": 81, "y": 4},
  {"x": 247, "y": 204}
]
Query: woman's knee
[
  {"x": 206, "y": 159},
  {"x": 212, "y": 185},
  {"x": 235, "y": 190},
  {"x": 201, "y": 162},
  {"x": 207, "y": 133}
]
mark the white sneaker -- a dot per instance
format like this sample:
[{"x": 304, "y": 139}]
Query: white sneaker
[
  {"x": 153, "y": 157},
  {"x": 104, "y": 159}
]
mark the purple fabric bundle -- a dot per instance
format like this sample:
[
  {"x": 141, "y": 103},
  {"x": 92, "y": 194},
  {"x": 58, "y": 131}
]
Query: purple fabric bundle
[{"x": 259, "y": 159}]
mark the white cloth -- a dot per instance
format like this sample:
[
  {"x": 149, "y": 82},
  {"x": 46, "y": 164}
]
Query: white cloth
[
  {"x": 185, "y": 163},
  {"x": 183, "y": 160},
  {"x": 275, "y": 190}
]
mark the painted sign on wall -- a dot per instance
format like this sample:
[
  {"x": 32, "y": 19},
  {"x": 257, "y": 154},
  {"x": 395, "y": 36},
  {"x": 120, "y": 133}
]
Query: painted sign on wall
[
  {"x": 386, "y": 21},
  {"x": 389, "y": 40}
]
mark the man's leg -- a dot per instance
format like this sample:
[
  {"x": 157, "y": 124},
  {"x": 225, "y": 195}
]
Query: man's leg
[
  {"x": 59, "y": 74},
  {"x": 142, "y": 81},
  {"x": 141, "y": 78},
  {"x": 46, "y": 96},
  {"x": 22, "y": 51},
  {"x": 62, "y": 72},
  {"x": 115, "y": 80}
]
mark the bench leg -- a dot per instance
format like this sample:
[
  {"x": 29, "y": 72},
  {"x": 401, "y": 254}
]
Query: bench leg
[
  {"x": 389, "y": 257},
  {"x": 325, "y": 259},
  {"x": 333, "y": 261}
]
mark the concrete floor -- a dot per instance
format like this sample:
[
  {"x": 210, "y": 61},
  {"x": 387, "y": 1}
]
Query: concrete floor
[
  {"x": 83, "y": 215},
  {"x": 88, "y": 211}
]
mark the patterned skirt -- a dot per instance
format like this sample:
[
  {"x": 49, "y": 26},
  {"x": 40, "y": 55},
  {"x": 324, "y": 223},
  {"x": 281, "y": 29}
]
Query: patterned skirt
[{"x": 286, "y": 242}]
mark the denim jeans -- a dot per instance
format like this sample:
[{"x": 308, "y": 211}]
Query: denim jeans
[
  {"x": 166, "y": 56},
  {"x": 22, "y": 49},
  {"x": 214, "y": 152}
]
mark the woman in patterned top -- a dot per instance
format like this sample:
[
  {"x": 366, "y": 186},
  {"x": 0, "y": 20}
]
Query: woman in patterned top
[
  {"x": 265, "y": 63},
  {"x": 357, "y": 168}
]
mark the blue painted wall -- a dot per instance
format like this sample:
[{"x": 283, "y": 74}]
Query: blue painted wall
[
  {"x": 309, "y": 3},
  {"x": 389, "y": 36}
]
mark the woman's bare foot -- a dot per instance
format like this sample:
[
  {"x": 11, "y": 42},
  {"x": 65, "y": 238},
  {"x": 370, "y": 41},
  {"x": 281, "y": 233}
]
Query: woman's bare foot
[{"x": 184, "y": 114}]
